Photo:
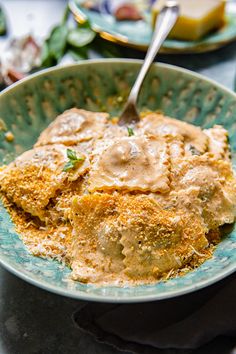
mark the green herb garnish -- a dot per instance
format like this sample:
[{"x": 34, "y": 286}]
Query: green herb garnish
[
  {"x": 130, "y": 131},
  {"x": 73, "y": 160}
]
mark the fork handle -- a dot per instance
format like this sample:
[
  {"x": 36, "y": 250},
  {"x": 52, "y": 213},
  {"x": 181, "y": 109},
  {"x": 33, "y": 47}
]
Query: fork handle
[{"x": 165, "y": 22}]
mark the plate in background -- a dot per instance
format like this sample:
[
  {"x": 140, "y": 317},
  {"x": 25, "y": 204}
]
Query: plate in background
[{"x": 137, "y": 34}]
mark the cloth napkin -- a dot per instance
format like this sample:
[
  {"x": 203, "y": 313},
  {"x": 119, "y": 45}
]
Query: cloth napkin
[{"x": 184, "y": 322}]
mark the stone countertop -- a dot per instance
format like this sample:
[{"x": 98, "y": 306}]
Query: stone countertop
[{"x": 33, "y": 321}]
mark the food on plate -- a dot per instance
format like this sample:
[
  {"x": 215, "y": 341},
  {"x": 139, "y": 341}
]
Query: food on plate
[
  {"x": 122, "y": 205},
  {"x": 122, "y": 10},
  {"x": 196, "y": 19},
  {"x": 127, "y": 12}
]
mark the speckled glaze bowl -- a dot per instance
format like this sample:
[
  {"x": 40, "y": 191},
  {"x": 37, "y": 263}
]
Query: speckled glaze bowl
[{"x": 27, "y": 108}]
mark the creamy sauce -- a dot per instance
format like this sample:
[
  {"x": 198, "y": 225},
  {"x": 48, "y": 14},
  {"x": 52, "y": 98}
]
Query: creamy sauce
[
  {"x": 131, "y": 163},
  {"x": 121, "y": 207}
]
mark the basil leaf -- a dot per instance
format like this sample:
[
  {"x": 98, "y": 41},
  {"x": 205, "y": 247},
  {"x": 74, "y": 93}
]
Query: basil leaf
[
  {"x": 57, "y": 41},
  {"x": 106, "y": 49},
  {"x": 3, "y": 24},
  {"x": 71, "y": 154},
  {"x": 66, "y": 15},
  {"x": 80, "y": 37},
  {"x": 78, "y": 53},
  {"x": 130, "y": 131},
  {"x": 46, "y": 58},
  {"x": 55, "y": 46},
  {"x": 68, "y": 166},
  {"x": 73, "y": 160}
]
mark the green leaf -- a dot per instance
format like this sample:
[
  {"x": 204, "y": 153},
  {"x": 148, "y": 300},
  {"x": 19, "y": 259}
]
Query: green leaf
[
  {"x": 78, "y": 53},
  {"x": 68, "y": 166},
  {"x": 57, "y": 41},
  {"x": 73, "y": 160},
  {"x": 71, "y": 154},
  {"x": 130, "y": 131},
  {"x": 76, "y": 41},
  {"x": 106, "y": 49},
  {"x": 66, "y": 15},
  {"x": 54, "y": 47},
  {"x": 3, "y": 23},
  {"x": 46, "y": 58},
  {"x": 85, "y": 24},
  {"x": 80, "y": 37}
]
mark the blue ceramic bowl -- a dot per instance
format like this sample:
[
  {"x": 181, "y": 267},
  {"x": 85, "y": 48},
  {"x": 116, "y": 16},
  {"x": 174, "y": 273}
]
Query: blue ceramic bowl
[{"x": 27, "y": 107}]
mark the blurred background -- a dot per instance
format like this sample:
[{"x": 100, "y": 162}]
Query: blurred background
[{"x": 34, "y": 38}]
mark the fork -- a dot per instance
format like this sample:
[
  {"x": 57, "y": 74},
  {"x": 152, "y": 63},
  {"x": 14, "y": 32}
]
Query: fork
[{"x": 165, "y": 22}]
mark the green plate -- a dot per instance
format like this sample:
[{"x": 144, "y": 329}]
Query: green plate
[
  {"x": 138, "y": 34},
  {"x": 27, "y": 108}
]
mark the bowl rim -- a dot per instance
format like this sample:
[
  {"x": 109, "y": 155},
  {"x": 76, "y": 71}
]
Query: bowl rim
[
  {"x": 116, "y": 61},
  {"x": 80, "y": 295},
  {"x": 83, "y": 296}
]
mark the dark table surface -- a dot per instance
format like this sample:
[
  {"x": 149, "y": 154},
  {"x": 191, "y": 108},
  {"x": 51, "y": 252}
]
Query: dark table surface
[{"x": 33, "y": 321}]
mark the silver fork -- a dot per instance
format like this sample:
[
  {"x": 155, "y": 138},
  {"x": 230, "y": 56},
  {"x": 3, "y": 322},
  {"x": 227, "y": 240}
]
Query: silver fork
[{"x": 164, "y": 24}]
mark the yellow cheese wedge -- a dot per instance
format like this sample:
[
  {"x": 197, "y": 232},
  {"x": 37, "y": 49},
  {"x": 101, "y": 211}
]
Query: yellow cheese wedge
[{"x": 197, "y": 18}]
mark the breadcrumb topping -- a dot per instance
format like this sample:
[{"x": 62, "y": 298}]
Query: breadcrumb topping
[{"x": 122, "y": 206}]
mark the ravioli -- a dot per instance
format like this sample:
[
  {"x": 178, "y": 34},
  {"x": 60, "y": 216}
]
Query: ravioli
[
  {"x": 74, "y": 126},
  {"x": 206, "y": 184},
  {"x": 96, "y": 252},
  {"x": 218, "y": 142},
  {"x": 130, "y": 163},
  {"x": 156, "y": 241},
  {"x": 195, "y": 140},
  {"x": 122, "y": 205},
  {"x": 116, "y": 234},
  {"x": 34, "y": 178}
]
